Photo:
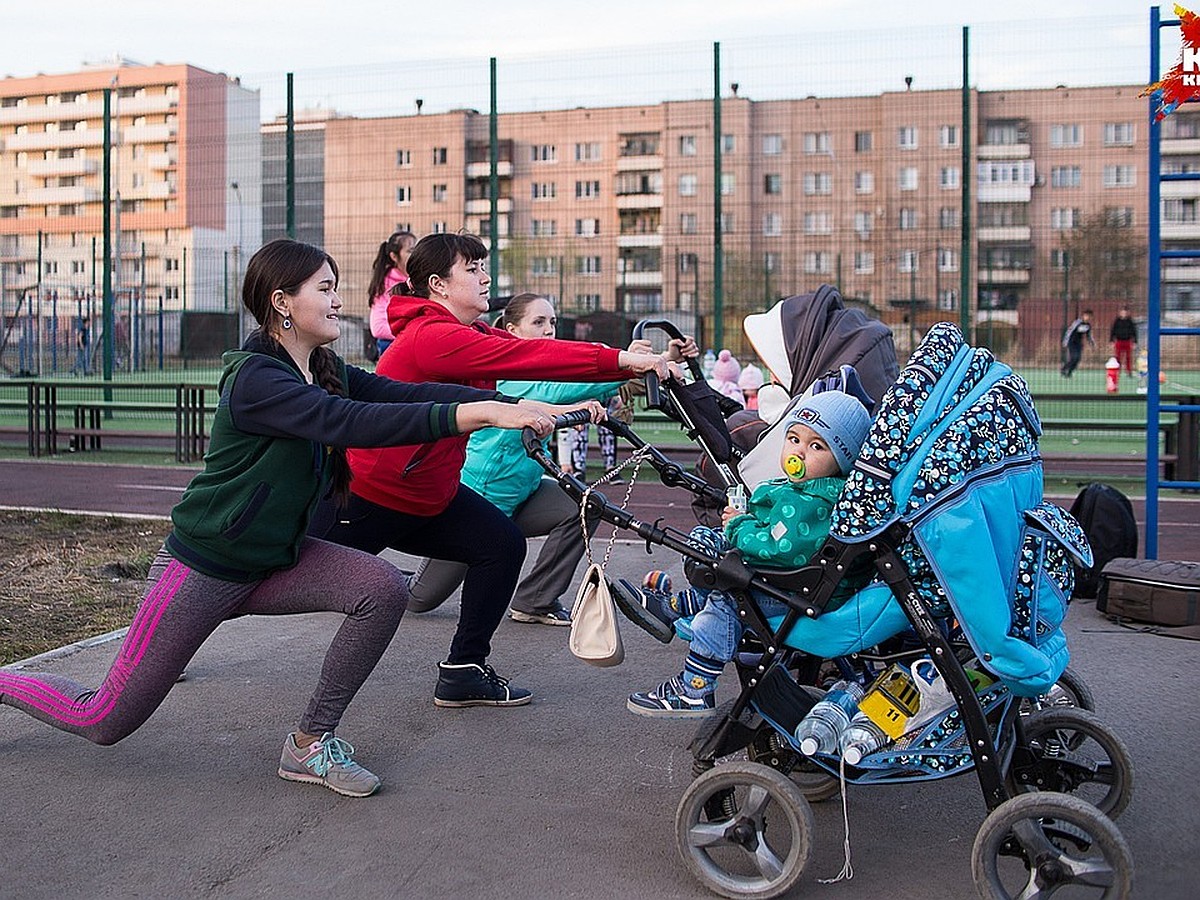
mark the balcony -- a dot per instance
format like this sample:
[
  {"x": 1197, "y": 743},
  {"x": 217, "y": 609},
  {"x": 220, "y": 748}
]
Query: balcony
[
  {"x": 1004, "y": 193},
  {"x": 161, "y": 161},
  {"x": 154, "y": 190},
  {"x": 641, "y": 279},
  {"x": 54, "y": 140},
  {"x": 504, "y": 169},
  {"x": 1179, "y": 190},
  {"x": 1180, "y": 270},
  {"x": 639, "y": 201},
  {"x": 1005, "y": 151},
  {"x": 57, "y": 167},
  {"x": 60, "y": 195},
  {"x": 639, "y": 240},
  {"x": 55, "y": 112},
  {"x": 149, "y": 104},
  {"x": 1180, "y": 231},
  {"x": 484, "y": 207},
  {"x": 1172, "y": 146},
  {"x": 1003, "y": 276},
  {"x": 639, "y": 163},
  {"x": 1013, "y": 234},
  {"x": 162, "y": 133}
]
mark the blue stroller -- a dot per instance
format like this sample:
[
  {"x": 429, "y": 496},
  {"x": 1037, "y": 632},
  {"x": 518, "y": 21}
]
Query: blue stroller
[{"x": 944, "y": 505}]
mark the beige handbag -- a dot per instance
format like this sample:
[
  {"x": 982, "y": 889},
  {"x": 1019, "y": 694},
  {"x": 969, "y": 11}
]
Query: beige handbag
[{"x": 595, "y": 637}]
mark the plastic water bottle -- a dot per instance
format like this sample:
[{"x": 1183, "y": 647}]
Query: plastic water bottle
[
  {"x": 861, "y": 737},
  {"x": 710, "y": 360},
  {"x": 818, "y": 732}
]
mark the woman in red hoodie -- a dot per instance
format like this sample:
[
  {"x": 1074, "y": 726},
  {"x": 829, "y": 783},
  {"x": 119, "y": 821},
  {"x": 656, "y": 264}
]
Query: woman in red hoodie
[{"x": 410, "y": 498}]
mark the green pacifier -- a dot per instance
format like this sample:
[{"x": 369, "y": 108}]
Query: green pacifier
[{"x": 793, "y": 466}]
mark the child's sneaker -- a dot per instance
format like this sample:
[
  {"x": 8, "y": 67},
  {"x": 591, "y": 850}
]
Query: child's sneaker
[
  {"x": 329, "y": 762},
  {"x": 647, "y": 609},
  {"x": 671, "y": 699}
]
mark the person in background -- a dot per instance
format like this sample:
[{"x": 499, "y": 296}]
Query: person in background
[
  {"x": 1124, "y": 338},
  {"x": 785, "y": 522},
  {"x": 411, "y": 498},
  {"x": 289, "y": 407},
  {"x": 388, "y": 273},
  {"x": 499, "y": 469},
  {"x": 1077, "y": 332},
  {"x": 749, "y": 382}
]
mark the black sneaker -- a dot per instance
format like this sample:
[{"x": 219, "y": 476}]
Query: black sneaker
[
  {"x": 649, "y": 610},
  {"x": 470, "y": 684}
]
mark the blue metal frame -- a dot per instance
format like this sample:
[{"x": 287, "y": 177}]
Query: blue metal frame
[{"x": 1155, "y": 331}]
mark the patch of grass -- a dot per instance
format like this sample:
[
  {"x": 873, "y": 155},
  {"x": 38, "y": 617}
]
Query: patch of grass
[{"x": 64, "y": 578}]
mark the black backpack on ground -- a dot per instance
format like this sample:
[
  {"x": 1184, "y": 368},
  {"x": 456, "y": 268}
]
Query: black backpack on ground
[{"x": 1107, "y": 519}]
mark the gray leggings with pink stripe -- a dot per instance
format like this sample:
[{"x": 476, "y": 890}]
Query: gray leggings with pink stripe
[{"x": 183, "y": 607}]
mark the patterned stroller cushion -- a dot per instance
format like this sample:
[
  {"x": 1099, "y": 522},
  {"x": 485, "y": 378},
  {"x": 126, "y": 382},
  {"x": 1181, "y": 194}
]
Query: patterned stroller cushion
[{"x": 953, "y": 455}]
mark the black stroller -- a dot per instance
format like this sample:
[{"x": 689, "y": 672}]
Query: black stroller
[{"x": 944, "y": 505}]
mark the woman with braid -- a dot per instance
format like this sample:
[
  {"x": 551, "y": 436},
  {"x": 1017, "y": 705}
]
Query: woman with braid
[{"x": 289, "y": 407}]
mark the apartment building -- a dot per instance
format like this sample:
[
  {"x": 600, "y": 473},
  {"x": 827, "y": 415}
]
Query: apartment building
[
  {"x": 613, "y": 208},
  {"x": 186, "y": 167}
]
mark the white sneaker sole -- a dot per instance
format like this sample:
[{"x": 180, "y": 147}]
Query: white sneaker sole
[{"x": 307, "y": 778}]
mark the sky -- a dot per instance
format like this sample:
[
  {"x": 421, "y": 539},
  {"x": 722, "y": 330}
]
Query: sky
[{"x": 554, "y": 49}]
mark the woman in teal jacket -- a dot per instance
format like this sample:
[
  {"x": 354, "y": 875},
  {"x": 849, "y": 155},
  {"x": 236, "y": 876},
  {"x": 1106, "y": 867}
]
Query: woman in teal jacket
[{"x": 498, "y": 468}]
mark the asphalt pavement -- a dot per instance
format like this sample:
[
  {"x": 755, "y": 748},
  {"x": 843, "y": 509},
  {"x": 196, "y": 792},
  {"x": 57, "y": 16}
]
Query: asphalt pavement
[{"x": 571, "y": 796}]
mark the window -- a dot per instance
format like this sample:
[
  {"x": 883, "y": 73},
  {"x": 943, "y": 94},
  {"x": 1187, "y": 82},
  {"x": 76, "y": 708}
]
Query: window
[
  {"x": 687, "y": 185},
  {"x": 818, "y": 183},
  {"x": 908, "y": 218},
  {"x": 588, "y": 302},
  {"x": 908, "y": 178},
  {"x": 948, "y": 136},
  {"x": 543, "y": 153},
  {"x": 819, "y": 222},
  {"x": 864, "y": 182},
  {"x": 439, "y": 193},
  {"x": 816, "y": 142},
  {"x": 587, "y": 152},
  {"x": 587, "y": 265},
  {"x": 772, "y": 184},
  {"x": 770, "y": 262},
  {"x": 1174, "y": 211},
  {"x": 728, "y": 143},
  {"x": 403, "y": 158},
  {"x": 51, "y": 267},
  {"x": 543, "y": 190},
  {"x": 587, "y": 227},
  {"x": 1005, "y": 133},
  {"x": 772, "y": 145},
  {"x": 439, "y": 156},
  {"x": 1018, "y": 172},
  {"x": 543, "y": 227},
  {"x": 948, "y": 217},
  {"x": 728, "y": 182},
  {"x": 726, "y": 223},
  {"x": 817, "y": 262},
  {"x": 689, "y": 262},
  {"x": 947, "y": 299},
  {"x": 864, "y": 262},
  {"x": 1118, "y": 216},
  {"x": 1065, "y": 177},
  {"x": 948, "y": 177},
  {"x": 1066, "y": 135},
  {"x": 543, "y": 265},
  {"x": 170, "y": 264},
  {"x": 1118, "y": 134},
  {"x": 639, "y": 144},
  {"x": 1119, "y": 176},
  {"x": 908, "y": 261},
  {"x": 864, "y": 223},
  {"x": 772, "y": 224},
  {"x": 1063, "y": 218},
  {"x": 862, "y": 142},
  {"x": 1181, "y": 125},
  {"x": 1058, "y": 259},
  {"x": 687, "y": 145},
  {"x": 947, "y": 260},
  {"x": 587, "y": 189},
  {"x": 906, "y": 137},
  {"x": 403, "y": 195},
  {"x": 687, "y": 223},
  {"x": 441, "y": 227}
]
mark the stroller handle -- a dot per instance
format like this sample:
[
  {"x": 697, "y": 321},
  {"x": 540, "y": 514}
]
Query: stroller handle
[
  {"x": 653, "y": 401},
  {"x": 530, "y": 440}
]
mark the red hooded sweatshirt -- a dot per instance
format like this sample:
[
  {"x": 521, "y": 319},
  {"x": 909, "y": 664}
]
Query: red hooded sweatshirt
[{"x": 432, "y": 345}]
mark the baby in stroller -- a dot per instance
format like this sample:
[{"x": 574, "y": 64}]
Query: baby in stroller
[{"x": 784, "y": 523}]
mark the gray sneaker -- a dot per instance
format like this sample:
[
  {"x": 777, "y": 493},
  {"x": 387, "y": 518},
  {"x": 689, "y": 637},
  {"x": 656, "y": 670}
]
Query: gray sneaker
[
  {"x": 558, "y": 615},
  {"x": 328, "y": 762}
]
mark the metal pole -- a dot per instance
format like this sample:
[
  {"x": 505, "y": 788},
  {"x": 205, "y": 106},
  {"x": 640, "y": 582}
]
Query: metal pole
[
  {"x": 107, "y": 273},
  {"x": 964, "y": 277},
  {"x": 290, "y": 155},
  {"x": 161, "y": 335},
  {"x": 912, "y": 303},
  {"x": 39, "y": 303},
  {"x": 494, "y": 181},
  {"x": 718, "y": 262},
  {"x": 1153, "y": 295}
]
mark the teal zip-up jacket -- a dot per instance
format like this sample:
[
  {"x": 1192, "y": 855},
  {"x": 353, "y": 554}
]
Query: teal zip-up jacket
[
  {"x": 245, "y": 515},
  {"x": 497, "y": 465},
  {"x": 785, "y": 522}
]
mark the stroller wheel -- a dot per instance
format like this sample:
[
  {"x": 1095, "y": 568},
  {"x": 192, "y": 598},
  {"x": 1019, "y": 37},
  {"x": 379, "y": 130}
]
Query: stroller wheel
[
  {"x": 1075, "y": 753},
  {"x": 722, "y": 826},
  {"x": 1069, "y": 691},
  {"x": 770, "y": 748},
  {"x": 1033, "y": 844}
]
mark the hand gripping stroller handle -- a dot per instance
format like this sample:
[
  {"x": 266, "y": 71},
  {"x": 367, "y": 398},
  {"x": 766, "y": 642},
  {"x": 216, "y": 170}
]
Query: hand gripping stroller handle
[
  {"x": 653, "y": 400},
  {"x": 529, "y": 438}
]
